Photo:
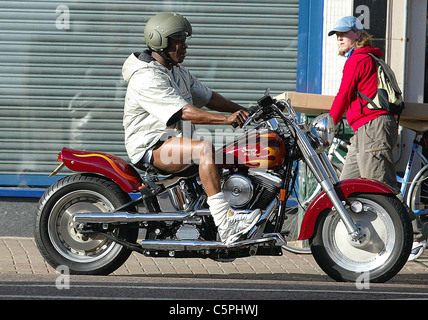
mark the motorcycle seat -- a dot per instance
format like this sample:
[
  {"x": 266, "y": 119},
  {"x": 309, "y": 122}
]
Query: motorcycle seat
[{"x": 191, "y": 170}]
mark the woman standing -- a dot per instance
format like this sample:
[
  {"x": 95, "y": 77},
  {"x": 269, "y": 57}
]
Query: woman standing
[{"x": 375, "y": 131}]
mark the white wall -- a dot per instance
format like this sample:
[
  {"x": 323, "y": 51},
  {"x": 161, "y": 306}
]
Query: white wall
[
  {"x": 407, "y": 58},
  {"x": 416, "y": 33},
  {"x": 334, "y": 10}
]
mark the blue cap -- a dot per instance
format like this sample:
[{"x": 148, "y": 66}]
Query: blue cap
[{"x": 347, "y": 23}]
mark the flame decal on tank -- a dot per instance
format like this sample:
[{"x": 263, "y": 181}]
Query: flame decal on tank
[{"x": 265, "y": 150}]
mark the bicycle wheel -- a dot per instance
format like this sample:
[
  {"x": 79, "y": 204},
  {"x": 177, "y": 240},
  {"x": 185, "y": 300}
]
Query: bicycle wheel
[
  {"x": 291, "y": 226},
  {"x": 291, "y": 229},
  {"x": 307, "y": 191},
  {"x": 418, "y": 193},
  {"x": 338, "y": 167}
]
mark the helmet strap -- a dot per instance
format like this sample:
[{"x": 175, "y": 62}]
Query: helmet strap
[{"x": 165, "y": 56}]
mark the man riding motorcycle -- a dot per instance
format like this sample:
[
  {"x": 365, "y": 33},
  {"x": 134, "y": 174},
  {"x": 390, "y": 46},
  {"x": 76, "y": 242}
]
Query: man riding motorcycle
[{"x": 161, "y": 95}]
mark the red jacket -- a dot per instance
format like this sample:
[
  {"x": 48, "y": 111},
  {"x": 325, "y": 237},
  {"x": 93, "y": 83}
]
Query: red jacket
[{"x": 359, "y": 74}]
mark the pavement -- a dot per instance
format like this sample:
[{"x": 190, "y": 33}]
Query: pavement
[{"x": 19, "y": 255}]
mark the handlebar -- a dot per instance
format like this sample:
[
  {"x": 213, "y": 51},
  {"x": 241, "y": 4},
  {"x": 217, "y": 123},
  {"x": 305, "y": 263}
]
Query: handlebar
[
  {"x": 252, "y": 110},
  {"x": 261, "y": 110}
]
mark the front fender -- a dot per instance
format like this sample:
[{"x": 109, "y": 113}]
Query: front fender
[
  {"x": 343, "y": 190},
  {"x": 103, "y": 163}
]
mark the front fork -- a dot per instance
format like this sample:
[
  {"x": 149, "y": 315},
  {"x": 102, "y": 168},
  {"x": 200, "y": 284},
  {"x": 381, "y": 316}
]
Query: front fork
[{"x": 326, "y": 176}]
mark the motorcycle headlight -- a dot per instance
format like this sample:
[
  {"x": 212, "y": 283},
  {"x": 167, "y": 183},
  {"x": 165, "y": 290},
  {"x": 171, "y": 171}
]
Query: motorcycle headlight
[{"x": 322, "y": 128}]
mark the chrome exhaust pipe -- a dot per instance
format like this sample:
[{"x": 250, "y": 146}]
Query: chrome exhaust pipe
[
  {"x": 126, "y": 217},
  {"x": 188, "y": 245}
]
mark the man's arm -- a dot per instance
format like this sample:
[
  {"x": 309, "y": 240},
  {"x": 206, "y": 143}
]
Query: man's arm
[
  {"x": 220, "y": 103},
  {"x": 217, "y": 103}
]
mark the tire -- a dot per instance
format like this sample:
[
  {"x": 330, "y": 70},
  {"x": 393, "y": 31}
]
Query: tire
[
  {"x": 55, "y": 231},
  {"x": 381, "y": 255},
  {"x": 338, "y": 168}
]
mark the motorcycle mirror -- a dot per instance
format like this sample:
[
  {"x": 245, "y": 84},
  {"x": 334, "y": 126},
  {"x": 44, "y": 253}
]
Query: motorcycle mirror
[{"x": 264, "y": 102}]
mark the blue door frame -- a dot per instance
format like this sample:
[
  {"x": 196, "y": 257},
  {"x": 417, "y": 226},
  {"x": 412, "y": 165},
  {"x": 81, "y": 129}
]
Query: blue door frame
[{"x": 309, "y": 47}]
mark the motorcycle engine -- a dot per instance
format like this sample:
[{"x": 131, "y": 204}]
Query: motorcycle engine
[
  {"x": 255, "y": 190},
  {"x": 238, "y": 190},
  {"x": 242, "y": 189}
]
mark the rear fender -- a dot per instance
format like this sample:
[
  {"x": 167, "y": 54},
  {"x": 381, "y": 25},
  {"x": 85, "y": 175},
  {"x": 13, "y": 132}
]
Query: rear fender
[
  {"x": 344, "y": 189},
  {"x": 105, "y": 164}
]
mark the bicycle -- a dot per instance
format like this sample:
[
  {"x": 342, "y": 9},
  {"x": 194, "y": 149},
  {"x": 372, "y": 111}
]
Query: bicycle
[{"x": 417, "y": 193}]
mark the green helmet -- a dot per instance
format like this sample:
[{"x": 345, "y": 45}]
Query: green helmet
[{"x": 164, "y": 25}]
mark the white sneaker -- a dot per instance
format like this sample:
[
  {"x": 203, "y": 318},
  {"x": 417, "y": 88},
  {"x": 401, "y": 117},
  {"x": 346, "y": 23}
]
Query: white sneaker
[
  {"x": 238, "y": 224},
  {"x": 417, "y": 249}
]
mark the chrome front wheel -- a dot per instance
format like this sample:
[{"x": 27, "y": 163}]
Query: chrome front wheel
[{"x": 382, "y": 250}]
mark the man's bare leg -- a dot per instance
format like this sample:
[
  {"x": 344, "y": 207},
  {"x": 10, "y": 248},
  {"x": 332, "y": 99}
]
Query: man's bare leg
[{"x": 175, "y": 154}]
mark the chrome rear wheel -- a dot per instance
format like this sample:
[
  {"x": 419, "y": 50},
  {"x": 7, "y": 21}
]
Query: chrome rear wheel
[
  {"x": 64, "y": 232},
  {"x": 62, "y": 241}
]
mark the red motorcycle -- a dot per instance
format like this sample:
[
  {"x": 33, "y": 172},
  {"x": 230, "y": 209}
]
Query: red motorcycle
[{"x": 88, "y": 222}]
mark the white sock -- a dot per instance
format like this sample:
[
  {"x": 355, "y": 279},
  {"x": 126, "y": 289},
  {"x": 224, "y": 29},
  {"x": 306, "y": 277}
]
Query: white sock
[{"x": 218, "y": 208}]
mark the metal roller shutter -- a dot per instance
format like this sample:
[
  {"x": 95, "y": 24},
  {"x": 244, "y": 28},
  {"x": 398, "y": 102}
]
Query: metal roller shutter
[{"x": 61, "y": 85}]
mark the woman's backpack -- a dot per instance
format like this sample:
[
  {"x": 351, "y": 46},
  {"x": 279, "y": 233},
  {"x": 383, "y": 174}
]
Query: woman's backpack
[{"x": 388, "y": 95}]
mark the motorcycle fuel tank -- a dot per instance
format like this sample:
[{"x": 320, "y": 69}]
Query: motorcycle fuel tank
[{"x": 256, "y": 149}]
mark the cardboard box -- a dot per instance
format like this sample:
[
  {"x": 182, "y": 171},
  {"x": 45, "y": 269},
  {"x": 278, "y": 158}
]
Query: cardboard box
[
  {"x": 309, "y": 103},
  {"x": 315, "y": 104},
  {"x": 415, "y": 111}
]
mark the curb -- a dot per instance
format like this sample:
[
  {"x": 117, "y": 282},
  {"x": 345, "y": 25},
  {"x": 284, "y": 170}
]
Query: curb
[{"x": 19, "y": 255}]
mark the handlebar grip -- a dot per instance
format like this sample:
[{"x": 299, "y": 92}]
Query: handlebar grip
[{"x": 252, "y": 109}]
